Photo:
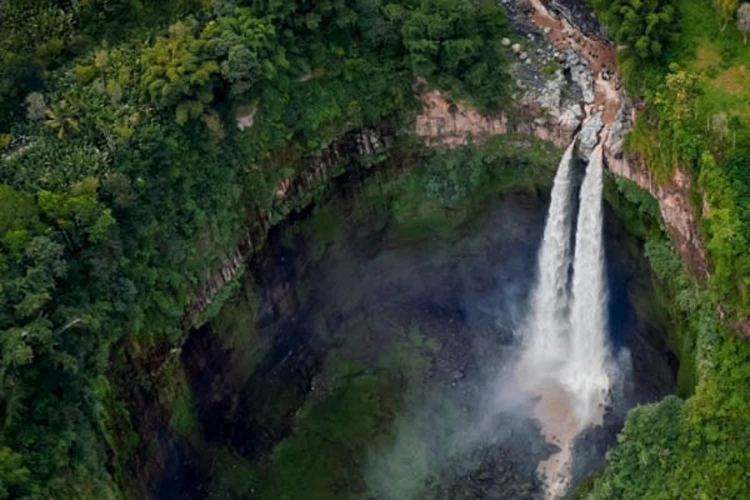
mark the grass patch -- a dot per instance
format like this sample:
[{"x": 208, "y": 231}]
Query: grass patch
[{"x": 720, "y": 57}]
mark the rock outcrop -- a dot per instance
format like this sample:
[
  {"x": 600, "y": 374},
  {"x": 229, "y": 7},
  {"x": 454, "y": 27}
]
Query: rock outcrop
[
  {"x": 673, "y": 196},
  {"x": 588, "y": 137},
  {"x": 549, "y": 107}
]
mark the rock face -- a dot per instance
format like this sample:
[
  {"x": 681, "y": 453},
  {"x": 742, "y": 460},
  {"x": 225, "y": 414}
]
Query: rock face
[
  {"x": 549, "y": 107},
  {"x": 445, "y": 122},
  {"x": 297, "y": 188},
  {"x": 588, "y": 137},
  {"x": 673, "y": 196},
  {"x": 579, "y": 14},
  {"x": 580, "y": 73}
]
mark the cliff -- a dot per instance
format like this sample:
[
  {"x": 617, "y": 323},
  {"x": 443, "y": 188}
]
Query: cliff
[
  {"x": 555, "y": 106},
  {"x": 565, "y": 73},
  {"x": 673, "y": 196}
]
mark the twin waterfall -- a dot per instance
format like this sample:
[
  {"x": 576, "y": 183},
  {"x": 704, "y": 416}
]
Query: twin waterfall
[
  {"x": 565, "y": 358},
  {"x": 586, "y": 368}
]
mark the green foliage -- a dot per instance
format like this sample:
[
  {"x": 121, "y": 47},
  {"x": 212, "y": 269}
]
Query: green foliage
[
  {"x": 183, "y": 421},
  {"x": 646, "y": 30},
  {"x": 669, "y": 134},
  {"x": 675, "y": 448},
  {"x": 726, "y": 236},
  {"x": 639, "y": 197},
  {"x": 447, "y": 190},
  {"x": 695, "y": 120},
  {"x": 726, "y": 8},
  {"x": 181, "y": 70},
  {"x": 459, "y": 47},
  {"x": 331, "y": 438},
  {"x": 634, "y": 206},
  {"x": 126, "y": 182},
  {"x": 249, "y": 49},
  {"x": 451, "y": 177},
  {"x": 14, "y": 476},
  {"x": 643, "y": 26}
]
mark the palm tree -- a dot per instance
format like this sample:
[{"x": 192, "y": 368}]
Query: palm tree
[{"x": 61, "y": 116}]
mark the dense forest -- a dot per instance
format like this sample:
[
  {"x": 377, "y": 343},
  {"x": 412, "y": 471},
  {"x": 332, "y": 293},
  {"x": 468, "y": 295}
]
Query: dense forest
[
  {"x": 685, "y": 60},
  {"x": 138, "y": 137},
  {"x": 125, "y": 177}
]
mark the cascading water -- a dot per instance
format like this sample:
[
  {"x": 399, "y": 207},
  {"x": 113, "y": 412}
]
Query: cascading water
[
  {"x": 545, "y": 331},
  {"x": 586, "y": 369},
  {"x": 564, "y": 358}
]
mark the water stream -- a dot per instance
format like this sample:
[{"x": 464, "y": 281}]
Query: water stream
[
  {"x": 565, "y": 353},
  {"x": 545, "y": 336},
  {"x": 586, "y": 369}
]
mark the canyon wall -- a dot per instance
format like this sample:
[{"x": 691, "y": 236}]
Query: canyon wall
[
  {"x": 564, "y": 71},
  {"x": 295, "y": 191},
  {"x": 677, "y": 210}
]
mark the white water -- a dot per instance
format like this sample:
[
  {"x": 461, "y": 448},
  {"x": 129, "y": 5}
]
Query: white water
[
  {"x": 545, "y": 332},
  {"x": 586, "y": 370},
  {"x": 564, "y": 357}
]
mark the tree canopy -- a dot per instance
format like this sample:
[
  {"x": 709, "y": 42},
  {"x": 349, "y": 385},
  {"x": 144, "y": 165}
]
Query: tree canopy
[{"x": 125, "y": 180}]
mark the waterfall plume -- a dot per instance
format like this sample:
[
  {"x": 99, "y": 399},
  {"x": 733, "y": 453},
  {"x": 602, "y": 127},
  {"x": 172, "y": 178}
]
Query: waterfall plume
[
  {"x": 587, "y": 362},
  {"x": 564, "y": 356},
  {"x": 545, "y": 332}
]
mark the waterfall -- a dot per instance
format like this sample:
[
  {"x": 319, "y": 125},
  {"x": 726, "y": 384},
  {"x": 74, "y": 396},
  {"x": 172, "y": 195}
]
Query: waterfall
[
  {"x": 545, "y": 332},
  {"x": 564, "y": 358},
  {"x": 586, "y": 374}
]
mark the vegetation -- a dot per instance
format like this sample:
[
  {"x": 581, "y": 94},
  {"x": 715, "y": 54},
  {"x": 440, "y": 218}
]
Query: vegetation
[
  {"x": 644, "y": 29},
  {"x": 439, "y": 197},
  {"x": 365, "y": 407},
  {"x": 695, "y": 119},
  {"x": 125, "y": 180},
  {"x": 692, "y": 448}
]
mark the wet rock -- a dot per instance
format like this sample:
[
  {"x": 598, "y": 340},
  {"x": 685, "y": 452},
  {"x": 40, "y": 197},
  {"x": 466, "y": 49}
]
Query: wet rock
[
  {"x": 588, "y": 137},
  {"x": 571, "y": 119},
  {"x": 579, "y": 15},
  {"x": 580, "y": 73}
]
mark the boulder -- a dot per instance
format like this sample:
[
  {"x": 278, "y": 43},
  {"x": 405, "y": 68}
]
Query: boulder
[
  {"x": 588, "y": 137},
  {"x": 580, "y": 73}
]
